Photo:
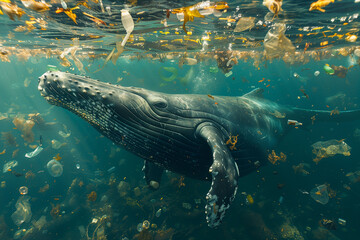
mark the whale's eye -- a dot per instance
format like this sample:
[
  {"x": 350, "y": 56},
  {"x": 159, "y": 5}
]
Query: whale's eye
[
  {"x": 157, "y": 101},
  {"x": 160, "y": 104}
]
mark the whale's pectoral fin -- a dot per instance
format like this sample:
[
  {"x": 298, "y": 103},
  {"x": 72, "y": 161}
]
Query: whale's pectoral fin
[
  {"x": 153, "y": 174},
  {"x": 224, "y": 173}
]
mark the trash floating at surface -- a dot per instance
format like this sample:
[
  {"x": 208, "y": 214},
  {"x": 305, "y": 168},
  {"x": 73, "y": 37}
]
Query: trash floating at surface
[
  {"x": 318, "y": 5},
  {"x": 23, "y": 211},
  {"x": 274, "y": 6},
  {"x": 198, "y": 10},
  {"x": 330, "y": 148},
  {"x": 55, "y": 168},
  {"x": 320, "y": 194},
  {"x": 128, "y": 24},
  {"x": 23, "y": 190},
  {"x": 34, "y": 153},
  {"x": 9, "y": 165},
  {"x": 276, "y": 44},
  {"x": 36, "y": 6},
  {"x": 244, "y": 24}
]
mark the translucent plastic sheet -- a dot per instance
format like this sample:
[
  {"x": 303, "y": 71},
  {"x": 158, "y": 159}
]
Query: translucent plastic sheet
[
  {"x": 320, "y": 194},
  {"x": 276, "y": 43},
  {"x": 330, "y": 148},
  {"x": 23, "y": 211},
  {"x": 55, "y": 168}
]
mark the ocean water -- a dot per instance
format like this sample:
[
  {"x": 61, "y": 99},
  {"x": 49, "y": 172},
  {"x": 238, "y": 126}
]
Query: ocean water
[{"x": 101, "y": 192}]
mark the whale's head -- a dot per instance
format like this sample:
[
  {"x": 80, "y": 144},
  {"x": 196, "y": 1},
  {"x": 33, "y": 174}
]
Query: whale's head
[{"x": 123, "y": 114}]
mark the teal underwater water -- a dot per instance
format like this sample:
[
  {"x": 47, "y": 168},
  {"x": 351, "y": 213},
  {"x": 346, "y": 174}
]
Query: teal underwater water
[{"x": 281, "y": 208}]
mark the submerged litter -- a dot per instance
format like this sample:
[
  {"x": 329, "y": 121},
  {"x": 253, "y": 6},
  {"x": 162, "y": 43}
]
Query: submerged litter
[
  {"x": 55, "y": 168},
  {"x": 34, "y": 153},
  {"x": 19, "y": 233},
  {"x": 320, "y": 194},
  {"x": 9, "y": 165},
  {"x": 330, "y": 148},
  {"x": 244, "y": 24},
  {"x": 23, "y": 211},
  {"x": 23, "y": 190},
  {"x": 64, "y": 134}
]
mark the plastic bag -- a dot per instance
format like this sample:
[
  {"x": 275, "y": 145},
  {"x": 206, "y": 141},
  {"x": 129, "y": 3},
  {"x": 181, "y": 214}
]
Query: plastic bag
[
  {"x": 23, "y": 211},
  {"x": 276, "y": 44}
]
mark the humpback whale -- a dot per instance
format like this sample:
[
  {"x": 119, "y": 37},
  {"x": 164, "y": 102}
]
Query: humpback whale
[{"x": 214, "y": 138}]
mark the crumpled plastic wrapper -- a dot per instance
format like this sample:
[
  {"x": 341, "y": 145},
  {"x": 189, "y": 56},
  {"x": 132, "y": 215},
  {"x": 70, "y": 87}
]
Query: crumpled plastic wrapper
[
  {"x": 276, "y": 44},
  {"x": 330, "y": 148}
]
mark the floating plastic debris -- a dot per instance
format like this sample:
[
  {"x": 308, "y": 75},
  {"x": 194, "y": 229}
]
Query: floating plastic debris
[
  {"x": 9, "y": 165},
  {"x": 274, "y": 6},
  {"x": 128, "y": 24},
  {"x": 111, "y": 170},
  {"x": 19, "y": 233},
  {"x": 357, "y": 51},
  {"x": 294, "y": 123},
  {"x": 330, "y": 148},
  {"x": 320, "y": 194},
  {"x": 328, "y": 69},
  {"x": 55, "y": 144},
  {"x": 34, "y": 153},
  {"x": 23, "y": 190},
  {"x": 77, "y": 166},
  {"x": 36, "y": 6},
  {"x": 146, "y": 224},
  {"x": 276, "y": 44},
  {"x": 244, "y": 24},
  {"x": 65, "y": 134},
  {"x": 23, "y": 211},
  {"x": 342, "y": 222},
  {"x": 108, "y": 10},
  {"x": 55, "y": 168},
  {"x": 228, "y": 74},
  {"x": 158, "y": 213},
  {"x": 249, "y": 200},
  {"x": 318, "y": 5},
  {"x": 281, "y": 199},
  {"x": 139, "y": 227},
  {"x": 316, "y": 73},
  {"x": 52, "y": 68},
  {"x": 213, "y": 69},
  {"x": 328, "y": 224}
]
